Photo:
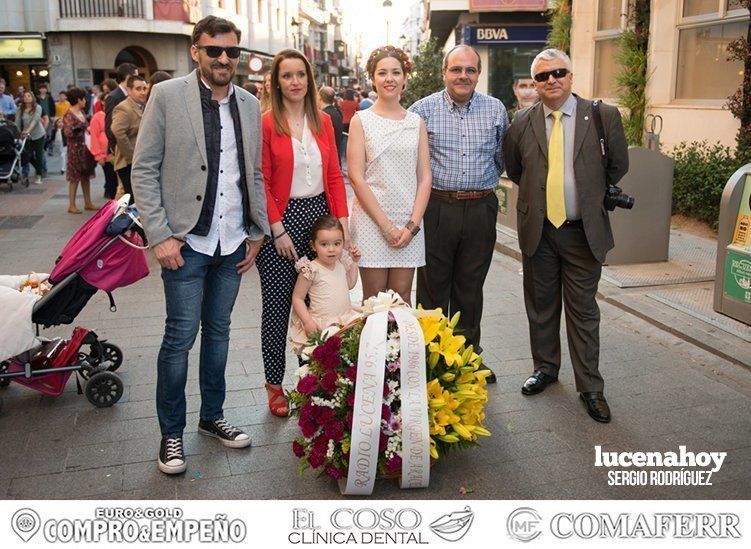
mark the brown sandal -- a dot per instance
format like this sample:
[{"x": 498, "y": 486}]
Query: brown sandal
[{"x": 277, "y": 401}]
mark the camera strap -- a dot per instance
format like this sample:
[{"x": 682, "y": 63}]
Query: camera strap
[{"x": 597, "y": 116}]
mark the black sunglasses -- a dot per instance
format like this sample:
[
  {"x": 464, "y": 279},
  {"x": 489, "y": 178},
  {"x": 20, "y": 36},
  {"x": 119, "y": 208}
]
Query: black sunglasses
[
  {"x": 557, "y": 73},
  {"x": 233, "y": 52}
]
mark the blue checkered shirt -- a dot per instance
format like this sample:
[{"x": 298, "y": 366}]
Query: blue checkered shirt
[{"x": 466, "y": 142}]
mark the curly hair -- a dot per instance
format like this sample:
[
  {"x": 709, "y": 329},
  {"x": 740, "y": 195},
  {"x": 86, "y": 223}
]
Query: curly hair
[{"x": 388, "y": 51}]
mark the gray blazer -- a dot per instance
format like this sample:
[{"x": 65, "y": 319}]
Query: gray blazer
[
  {"x": 170, "y": 163},
  {"x": 526, "y": 156}
]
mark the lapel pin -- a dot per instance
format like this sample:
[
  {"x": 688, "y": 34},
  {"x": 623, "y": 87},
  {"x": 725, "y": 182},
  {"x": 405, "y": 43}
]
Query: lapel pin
[{"x": 586, "y": 118}]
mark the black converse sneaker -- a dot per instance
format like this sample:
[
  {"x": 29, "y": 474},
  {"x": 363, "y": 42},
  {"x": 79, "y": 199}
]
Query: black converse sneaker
[
  {"x": 171, "y": 456},
  {"x": 229, "y": 435}
]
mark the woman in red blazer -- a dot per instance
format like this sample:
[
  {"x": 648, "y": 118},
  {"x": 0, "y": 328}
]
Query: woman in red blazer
[{"x": 303, "y": 181}]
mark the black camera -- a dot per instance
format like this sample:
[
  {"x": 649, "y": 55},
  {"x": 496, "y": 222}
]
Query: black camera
[{"x": 616, "y": 198}]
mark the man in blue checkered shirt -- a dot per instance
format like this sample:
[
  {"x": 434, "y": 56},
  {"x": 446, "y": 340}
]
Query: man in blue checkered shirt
[{"x": 465, "y": 135}]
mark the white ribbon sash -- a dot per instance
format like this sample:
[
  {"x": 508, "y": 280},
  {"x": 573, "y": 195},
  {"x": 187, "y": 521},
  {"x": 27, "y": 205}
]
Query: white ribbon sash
[
  {"x": 366, "y": 424},
  {"x": 415, "y": 431}
]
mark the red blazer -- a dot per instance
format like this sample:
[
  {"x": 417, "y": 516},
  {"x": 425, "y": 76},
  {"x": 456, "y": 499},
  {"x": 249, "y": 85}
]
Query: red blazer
[{"x": 279, "y": 163}]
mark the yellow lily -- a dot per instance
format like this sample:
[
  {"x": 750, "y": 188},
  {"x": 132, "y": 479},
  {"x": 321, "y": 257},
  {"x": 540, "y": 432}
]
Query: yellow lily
[{"x": 448, "y": 347}]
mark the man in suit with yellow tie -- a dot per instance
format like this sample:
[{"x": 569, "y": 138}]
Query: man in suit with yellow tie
[{"x": 554, "y": 154}]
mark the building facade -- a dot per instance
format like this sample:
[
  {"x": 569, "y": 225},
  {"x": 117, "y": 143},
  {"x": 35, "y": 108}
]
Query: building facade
[
  {"x": 75, "y": 42},
  {"x": 690, "y": 76},
  {"x": 506, "y": 33}
]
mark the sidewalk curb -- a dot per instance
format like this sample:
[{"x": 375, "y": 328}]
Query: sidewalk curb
[{"x": 514, "y": 253}]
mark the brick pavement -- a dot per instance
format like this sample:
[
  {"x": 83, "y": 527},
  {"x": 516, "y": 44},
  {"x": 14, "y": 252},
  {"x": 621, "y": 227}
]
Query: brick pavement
[{"x": 664, "y": 392}]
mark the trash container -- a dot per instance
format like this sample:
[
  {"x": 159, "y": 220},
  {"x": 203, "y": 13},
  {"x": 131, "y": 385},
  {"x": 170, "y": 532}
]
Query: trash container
[{"x": 732, "y": 288}]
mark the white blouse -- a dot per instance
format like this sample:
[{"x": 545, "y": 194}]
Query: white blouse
[{"x": 307, "y": 177}]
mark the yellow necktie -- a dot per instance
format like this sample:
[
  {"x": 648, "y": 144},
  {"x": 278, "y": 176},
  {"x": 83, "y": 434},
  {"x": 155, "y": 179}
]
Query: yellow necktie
[{"x": 554, "y": 190}]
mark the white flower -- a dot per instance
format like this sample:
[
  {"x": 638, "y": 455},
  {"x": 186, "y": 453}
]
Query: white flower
[{"x": 302, "y": 371}]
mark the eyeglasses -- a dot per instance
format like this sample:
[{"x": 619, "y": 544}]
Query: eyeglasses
[
  {"x": 556, "y": 73},
  {"x": 233, "y": 52}
]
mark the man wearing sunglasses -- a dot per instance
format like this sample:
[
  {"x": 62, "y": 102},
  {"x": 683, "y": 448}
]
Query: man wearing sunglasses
[
  {"x": 553, "y": 152},
  {"x": 200, "y": 193}
]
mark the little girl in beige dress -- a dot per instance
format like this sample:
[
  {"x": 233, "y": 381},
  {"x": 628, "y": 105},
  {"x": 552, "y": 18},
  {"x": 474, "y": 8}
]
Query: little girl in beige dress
[{"x": 326, "y": 281}]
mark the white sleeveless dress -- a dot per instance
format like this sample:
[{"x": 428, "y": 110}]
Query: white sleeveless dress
[{"x": 391, "y": 173}]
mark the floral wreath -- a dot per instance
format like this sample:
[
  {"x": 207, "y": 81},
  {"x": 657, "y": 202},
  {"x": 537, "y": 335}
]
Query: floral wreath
[{"x": 388, "y": 50}]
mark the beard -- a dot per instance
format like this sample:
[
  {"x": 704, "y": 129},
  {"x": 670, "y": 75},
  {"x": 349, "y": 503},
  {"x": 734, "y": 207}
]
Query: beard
[{"x": 218, "y": 80}]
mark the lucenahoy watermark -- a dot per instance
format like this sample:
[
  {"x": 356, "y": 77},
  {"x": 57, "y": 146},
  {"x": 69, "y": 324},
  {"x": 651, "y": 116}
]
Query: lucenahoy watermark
[{"x": 681, "y": 467}]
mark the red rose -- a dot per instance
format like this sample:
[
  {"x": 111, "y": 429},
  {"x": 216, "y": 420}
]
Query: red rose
[
  {"x": 334, "y": 430},
  {"x": 351, "y": 399},
  {"x": 307, "y": 385},
  {"x": 348, "y": 419},
  {"x": 334, "y": 473},
  {"x": 298, "y": 449},
  {"x": 326, "y": 414},
  {"x": 386, "y": 389},
  {"x": 309, "y": 428},
  {"x": 316, "y": 459},
  {"x": 351, "y": 373},
  {"x": 382, "y": 443},
  {"x": 385, "y": 412},
  {"x": 309, "y": 412},
  {"x": 394, "y": 464},
  {"x": 321, "y": 444},
  {"x": 328, "y": 383}
]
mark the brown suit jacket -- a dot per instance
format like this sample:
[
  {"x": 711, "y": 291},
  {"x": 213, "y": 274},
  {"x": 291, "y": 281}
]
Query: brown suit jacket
[
  {"x": 126, "y": 119},
  {"x": 526, "y": 158}
]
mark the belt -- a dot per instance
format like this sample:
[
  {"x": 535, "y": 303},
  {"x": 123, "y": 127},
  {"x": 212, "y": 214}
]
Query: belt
[
  {"x": 463, "y": 195},
  {"x": 567, "y": 223}
]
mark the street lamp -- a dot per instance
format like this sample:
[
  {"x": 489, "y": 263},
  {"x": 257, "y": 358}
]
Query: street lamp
[{"x": 387, "y": 4}]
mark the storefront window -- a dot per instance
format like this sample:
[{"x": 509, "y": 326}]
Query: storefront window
[
  {"x": 605, "y": 68},
  {"x": 509, "y": 65},
  {"x": 704, "y": 71},
  {"x": 609, "y": 14}
]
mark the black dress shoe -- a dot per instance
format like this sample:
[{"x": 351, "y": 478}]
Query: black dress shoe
[
  {"x": 597, "y": 406},
  {"x": 537, "y": 382},
  {"x": 490, "y": 378}
]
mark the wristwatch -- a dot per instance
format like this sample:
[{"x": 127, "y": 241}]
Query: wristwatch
[{"x": 411, "y": 227}]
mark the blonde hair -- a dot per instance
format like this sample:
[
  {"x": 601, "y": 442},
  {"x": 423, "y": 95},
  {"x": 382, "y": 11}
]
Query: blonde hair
[{"x": 311, "y": 95}]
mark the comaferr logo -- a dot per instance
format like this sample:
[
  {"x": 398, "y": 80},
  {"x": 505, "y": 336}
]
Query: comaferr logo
[{"x": 641, "y": 525}]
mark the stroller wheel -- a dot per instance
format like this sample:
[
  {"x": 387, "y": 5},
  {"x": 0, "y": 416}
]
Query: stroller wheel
[
  {"x": 112, "y": 356},
  {"x": 104, "y": 389}
]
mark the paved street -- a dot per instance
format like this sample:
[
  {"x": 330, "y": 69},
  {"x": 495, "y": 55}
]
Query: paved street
[{"x": 664, "y": 392}]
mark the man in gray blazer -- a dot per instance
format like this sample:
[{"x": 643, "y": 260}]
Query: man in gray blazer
[
  {"x": 199, "y": 190},
  {"x": 552, "y": 151}
]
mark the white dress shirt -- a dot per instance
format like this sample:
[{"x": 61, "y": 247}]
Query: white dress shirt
[
  {"x": 307, "y": 176},
  {"x": 227, "y": 229}
]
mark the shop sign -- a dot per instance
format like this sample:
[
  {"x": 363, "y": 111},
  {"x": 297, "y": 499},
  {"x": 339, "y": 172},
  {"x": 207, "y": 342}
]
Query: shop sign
[
  {"x": 742, "y": 233},
  {"x": 504, "y": 34},
  {"x": 508, "y": 5},
  {"x": 21, "y": 48}
]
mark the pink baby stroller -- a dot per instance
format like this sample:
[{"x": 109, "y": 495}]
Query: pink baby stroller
[{"x": 105, "y": 254}]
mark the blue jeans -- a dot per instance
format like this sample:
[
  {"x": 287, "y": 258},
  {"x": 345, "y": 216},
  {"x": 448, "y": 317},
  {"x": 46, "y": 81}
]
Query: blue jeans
[{"x": 202, "y": 292}]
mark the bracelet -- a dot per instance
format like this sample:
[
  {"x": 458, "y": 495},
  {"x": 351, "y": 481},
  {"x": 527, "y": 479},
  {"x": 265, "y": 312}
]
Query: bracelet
[
  {"x": 412, "y": 228},
  {"x": 281, "y": 234}
]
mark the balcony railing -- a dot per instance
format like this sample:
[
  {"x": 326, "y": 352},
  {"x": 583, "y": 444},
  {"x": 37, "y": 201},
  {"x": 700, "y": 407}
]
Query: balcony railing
[{"x": 101, "y": 8}]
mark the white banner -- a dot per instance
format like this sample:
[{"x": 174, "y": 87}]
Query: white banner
[
  {"x": 453, "y": 523},
  {"x": 414, "y": 397},
  {"x": 366, "y": 423}
]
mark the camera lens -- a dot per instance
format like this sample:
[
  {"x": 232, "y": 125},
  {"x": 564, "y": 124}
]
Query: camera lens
[{"x": 625, "y": 201}]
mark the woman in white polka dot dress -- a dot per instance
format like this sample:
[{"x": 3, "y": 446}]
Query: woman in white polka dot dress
[{"x": 389, "y": 170}]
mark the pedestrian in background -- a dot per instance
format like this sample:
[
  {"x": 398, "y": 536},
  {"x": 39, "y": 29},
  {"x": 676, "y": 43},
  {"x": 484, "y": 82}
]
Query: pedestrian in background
[
  {"x": 44, "y": 99},
  {"x": 365, "y": 102},
  {"x": 266, "y": 93},
  {"x": 156, "y": 78},
  {"x": 80, "y": 163},
  {"x": 106, "y": 86},
  {"x": 61, "y": 108},
  {"x": 326, "y": 98},
  {"x": 303, "y": 182},
  {"x": 99, "y": 146},
  {"x": 389, "y": 170},
  {"x": 564, "y": 230},
  {"x": 29, "y": 123},
  {"x": 8, "y": 107},
  {"x": 467, "y": 129},
  {"x": 197, "y": 175},
  {"x": 126, "y": 120},
  {"x": 115, "y": 97},
  {"x": 252, "y": 88}
]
